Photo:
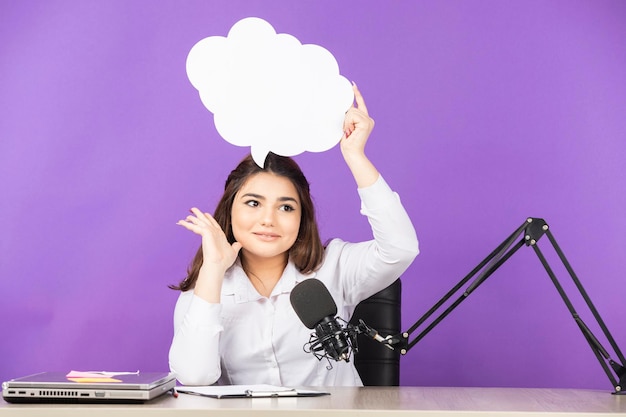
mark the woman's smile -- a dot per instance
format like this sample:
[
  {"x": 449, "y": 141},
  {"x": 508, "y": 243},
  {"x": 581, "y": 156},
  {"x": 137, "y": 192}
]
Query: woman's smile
[{"x": 269, "y": 237}]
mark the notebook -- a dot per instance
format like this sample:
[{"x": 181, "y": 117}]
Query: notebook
[
  {"x": 93, "y": 387},
  {"x": 248, "y": 391}
]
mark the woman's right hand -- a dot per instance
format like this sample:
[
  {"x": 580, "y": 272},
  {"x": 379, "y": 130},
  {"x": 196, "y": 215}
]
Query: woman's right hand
[{"x": 218, "y": 254}]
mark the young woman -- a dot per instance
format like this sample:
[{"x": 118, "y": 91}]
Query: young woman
[{"x": 233, "y": 322}]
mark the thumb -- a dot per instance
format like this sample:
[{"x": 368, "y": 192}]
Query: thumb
[{"x": 236, "y": 247}]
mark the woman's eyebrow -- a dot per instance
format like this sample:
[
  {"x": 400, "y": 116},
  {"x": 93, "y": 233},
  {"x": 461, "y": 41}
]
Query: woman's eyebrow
[
  {"x": 288, "y": 199},
  {"x": 260, "y": 197},
  {"x": 253, "y": 195}
]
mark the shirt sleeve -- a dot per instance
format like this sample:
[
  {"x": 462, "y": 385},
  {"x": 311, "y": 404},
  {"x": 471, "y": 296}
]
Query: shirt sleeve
[
  {"x": 392, "y": 228},
  {"x": 194, "y": 353},
  {"x": 368, "y": 267}
]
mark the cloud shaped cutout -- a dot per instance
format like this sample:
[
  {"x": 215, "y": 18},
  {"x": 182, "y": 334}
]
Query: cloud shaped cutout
[{"x": 270, "y": 92}]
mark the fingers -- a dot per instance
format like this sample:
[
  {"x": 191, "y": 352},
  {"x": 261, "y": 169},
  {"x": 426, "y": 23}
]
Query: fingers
[
  {"x": 360, "y": 102},
  {"x": 199, "y": 222},
  {"x": 348, "y": 125},
  {"x": 202, "y": 217},
  {"x": 357, "y": 117},
  {"x": 357, "y": 113},
  {"x": 217, "y": 251}
]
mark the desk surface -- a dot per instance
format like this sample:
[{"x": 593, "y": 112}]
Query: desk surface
[{"x": 370, "y": 401}]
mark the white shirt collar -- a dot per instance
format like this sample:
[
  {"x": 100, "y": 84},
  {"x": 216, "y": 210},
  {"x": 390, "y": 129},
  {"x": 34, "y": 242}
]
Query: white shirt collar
[{"x": 236, "y": 283}]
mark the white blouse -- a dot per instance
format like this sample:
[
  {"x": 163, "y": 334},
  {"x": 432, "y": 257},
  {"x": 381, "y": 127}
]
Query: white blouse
[{"x": 250, "y": 339}]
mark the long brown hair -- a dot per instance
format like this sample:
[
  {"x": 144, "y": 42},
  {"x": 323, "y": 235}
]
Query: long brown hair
[{"x": 306, "y": 253}]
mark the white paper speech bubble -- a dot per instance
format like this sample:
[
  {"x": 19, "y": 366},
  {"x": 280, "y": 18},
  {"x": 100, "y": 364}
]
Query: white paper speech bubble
[{"x": 270, "y": 92}]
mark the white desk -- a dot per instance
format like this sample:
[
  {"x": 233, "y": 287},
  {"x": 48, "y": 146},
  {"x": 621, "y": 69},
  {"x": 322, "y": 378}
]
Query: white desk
[{"x": 366, "y": 401}]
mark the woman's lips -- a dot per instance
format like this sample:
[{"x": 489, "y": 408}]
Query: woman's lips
[{"x": 266, "y": 236}]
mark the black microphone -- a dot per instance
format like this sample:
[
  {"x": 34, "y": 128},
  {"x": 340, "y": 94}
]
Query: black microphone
[{"x": 317, "y": 310}]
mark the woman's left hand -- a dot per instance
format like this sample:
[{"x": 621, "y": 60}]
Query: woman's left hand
[{"x": 357, "y": 127}]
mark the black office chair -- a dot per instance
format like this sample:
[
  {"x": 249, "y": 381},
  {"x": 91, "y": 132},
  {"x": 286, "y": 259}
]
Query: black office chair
[{"x": 378, "y": 365}]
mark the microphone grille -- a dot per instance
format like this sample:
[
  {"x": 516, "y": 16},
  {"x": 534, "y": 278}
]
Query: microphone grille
[{"x": 312, "y": 302}]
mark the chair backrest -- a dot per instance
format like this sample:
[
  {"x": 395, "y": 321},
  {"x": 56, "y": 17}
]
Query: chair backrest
[{"x": 378, "y": 365}]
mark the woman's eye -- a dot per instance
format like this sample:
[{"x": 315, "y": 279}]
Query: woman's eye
[
  {"x": 287, "y": 207},
  {"x": 252, "y": 203}
]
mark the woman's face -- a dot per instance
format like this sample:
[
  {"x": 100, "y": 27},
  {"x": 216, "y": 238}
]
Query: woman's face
[{"x": 266, "y": 216}]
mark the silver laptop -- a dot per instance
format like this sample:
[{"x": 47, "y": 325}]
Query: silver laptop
[{"x": 56, "y": 387}]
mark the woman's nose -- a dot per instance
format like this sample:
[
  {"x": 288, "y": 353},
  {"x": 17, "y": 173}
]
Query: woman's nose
[{"x": 267, "y": 217}]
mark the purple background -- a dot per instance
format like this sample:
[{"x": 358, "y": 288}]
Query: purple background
[{"x": 487, "y": 112}]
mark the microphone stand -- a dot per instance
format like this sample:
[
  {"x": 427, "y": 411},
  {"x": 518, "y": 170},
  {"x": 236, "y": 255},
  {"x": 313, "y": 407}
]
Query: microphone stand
[{"x": 533, "y": 229}]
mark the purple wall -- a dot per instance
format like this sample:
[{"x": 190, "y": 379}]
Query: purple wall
[{"x": 487, "y": 112}]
